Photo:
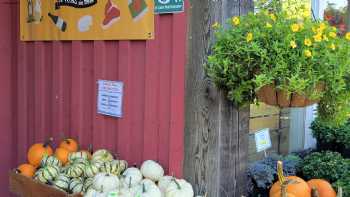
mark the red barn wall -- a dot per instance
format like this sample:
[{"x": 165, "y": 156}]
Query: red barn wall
[{"x": 49, "y": 88}]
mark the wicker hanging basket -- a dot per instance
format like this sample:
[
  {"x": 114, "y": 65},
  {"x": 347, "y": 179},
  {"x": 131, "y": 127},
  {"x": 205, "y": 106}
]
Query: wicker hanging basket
[{"x": 269, "y": 95}]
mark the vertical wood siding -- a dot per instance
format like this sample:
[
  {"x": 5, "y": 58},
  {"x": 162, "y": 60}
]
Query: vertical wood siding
[{"x": 49, "y": 88}]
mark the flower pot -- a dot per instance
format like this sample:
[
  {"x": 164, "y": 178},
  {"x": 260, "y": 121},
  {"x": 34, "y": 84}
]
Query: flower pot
[{"x": 269, "y": 95}]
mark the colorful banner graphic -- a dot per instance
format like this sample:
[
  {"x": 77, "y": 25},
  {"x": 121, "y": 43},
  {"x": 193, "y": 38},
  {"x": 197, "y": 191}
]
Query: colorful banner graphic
[{"x": 87, "y": 20}]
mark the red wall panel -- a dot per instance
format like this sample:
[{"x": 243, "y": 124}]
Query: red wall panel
[{"x": 49, "y": 88}]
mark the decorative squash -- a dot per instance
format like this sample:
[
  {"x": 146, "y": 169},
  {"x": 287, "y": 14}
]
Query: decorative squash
[
  {"x": 179, "y": 188},
  {"x": 122, "y": 165},
  {"x": 75, "y": 170},
  {"x": 148, "y": 190},
  {"x": 152, "y": 170},
  {"x": 95, "y": 193},
  {"x": 37, "y": 151},
  {"x": 69, "y": 144},
  {"x": 61, "y": 182},
  {"x": 132, "y": 176},
  {"x": 62, "y": 155},
  {"x": 323, "y": 187},
  {"x": 289, "y": 186},
  {"x": 106, "y": 181},
  {"x": 26, "y": 170},
  {"x": 163, "y": 183},
  {"x": 78, "y": 155},
  {"x": 122, "y": 192},
  {"x": 102, "y": 155},
  {"x": 46, "y": 174},
  {"x": 88, "y": 183},
  {"x": 115, "y": 167},
  {"x": 91, "y": 170},
  {"x": 50, "y": 161},
  {"x": 76, "y": 185}
]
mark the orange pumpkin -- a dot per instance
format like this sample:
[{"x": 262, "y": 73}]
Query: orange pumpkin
[
  {"x": 37, "y": 151},
  {"x": 62, "y": 155},
  {"x": 323, "y": 188},
  {"x": 26, "y": 170},
  {"x": 292, "y": 185},
  {"x": 70, "y": 144}
]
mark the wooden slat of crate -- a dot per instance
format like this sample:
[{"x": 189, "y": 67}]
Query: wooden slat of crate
[
  {"x": 263, "y": 110},
  {"x": 26, "y": 187}
]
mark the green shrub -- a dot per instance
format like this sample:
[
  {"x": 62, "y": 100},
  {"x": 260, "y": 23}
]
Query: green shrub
[
  {"x": 327, "y": 165},
  {"x": 344, "y": 183}
]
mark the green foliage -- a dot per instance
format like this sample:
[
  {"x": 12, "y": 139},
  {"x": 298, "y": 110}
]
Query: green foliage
[
  {"x": 331, "y": 134},
  {"x": 297, "y": 55},
  {"x": 344, "y": 183},
  {"x": 327, "y": 165}
]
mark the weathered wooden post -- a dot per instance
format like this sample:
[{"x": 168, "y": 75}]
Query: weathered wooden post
[{"x": 216, "y": 132}]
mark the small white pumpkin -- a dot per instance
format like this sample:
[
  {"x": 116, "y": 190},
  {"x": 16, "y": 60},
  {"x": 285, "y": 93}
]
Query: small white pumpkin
[
  {"x": 102, "y": 155},
  {"x": 106, "y": 181},
  {"x": 132, "y": 176},
  {"x": 148, "y": 190},
  {"x": 152, "y": 170},
  {"x": 179, "y": 188},
  {"x": 148, "y": 182},
  {"x": 163, "y": 183},
  {"x": 95, "y": 193},
  {"x": 122, "y": 192}
]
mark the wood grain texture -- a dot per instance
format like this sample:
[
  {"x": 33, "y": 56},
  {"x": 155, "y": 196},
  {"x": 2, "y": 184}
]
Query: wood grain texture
[{"x": 216, "y": 133}]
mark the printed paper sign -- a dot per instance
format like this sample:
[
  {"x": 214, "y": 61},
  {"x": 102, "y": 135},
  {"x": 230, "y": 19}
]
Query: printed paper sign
[
  {"x": 110, "y": 97},
  {"x": 168, "y": 6},
  {"x": 262, "y": 140},
  {"x": 86, "y": 19}
]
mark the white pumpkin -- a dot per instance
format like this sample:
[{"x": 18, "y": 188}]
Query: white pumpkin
[
  {"x": 95, "y": 193},
  {"x": 179, "y": 188},
  {"x": 122, "y": 192},
  {"x": 106, "y": 181},
  {"x": 148, "y": 189},
  {"x": 147, "y": 182},
  {"x": 152, "y": 170},
  {"x": 102, "y": 155},
  {"x": 132, "y": 176},
  {"x": 163, "y": 183}
]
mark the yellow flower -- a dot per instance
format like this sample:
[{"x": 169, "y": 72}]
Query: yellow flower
[
  {"x": 236, "y": 21},
  {"x": 307, "y": 53},
  {"x": 314, "y": 29},
  {"x": 318, "y": 37},
  {"x": 295, "y": 27},
  {"x": 268, "y": 25},
  {"x": 347, "y": 36},
  {"x": 307, "y": 42},
  {"x": 334, "y": 29},
  {"x": 325, "y": 38},
  {"x": 332, "y": 46},
  {"x": 216, "y": 25},
  {"x": 322, "y": 26},
  {"x": 332, "y": 34},
  {"x": 273, "y": 17},
  {"x": 249, "y": 37},
  {"x": 293, "y": 44}
]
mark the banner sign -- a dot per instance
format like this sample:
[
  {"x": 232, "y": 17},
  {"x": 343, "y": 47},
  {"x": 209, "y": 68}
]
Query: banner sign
[
  {"x": 168, "y": 6},
  {"x": 86, "y": 19}
]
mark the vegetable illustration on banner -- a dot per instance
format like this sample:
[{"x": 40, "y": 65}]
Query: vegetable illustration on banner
[{"x": 87, "y": 20}]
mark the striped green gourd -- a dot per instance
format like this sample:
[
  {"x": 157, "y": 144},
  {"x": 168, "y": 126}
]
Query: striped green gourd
[
  {"x": 115, "y": 167},
  {"x": 61, "y": 182},
  {"x": 46, "y": 174},
  {"x": 50, "y": 161},
  {"x": 76, "y": 185},
  {"x": 78, "y": 155},
  {"x": 91, "y": 170},
  {"x": 75, "y": 170},
  {"x": 88, "y": 183}
]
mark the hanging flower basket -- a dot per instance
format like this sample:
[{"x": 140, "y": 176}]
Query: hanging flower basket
[{"x": 269, "y": 95}]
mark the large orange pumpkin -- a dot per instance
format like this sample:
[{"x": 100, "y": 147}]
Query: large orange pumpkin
[
  {"x": 26, "y": 170},
  {"x": 62, "y": 155},
  {"x": 37, "y": 151},
  {"x": 70, "y": 144},
  {"x": 323, "y": 188},
  {"x": 297, "y": 186}
]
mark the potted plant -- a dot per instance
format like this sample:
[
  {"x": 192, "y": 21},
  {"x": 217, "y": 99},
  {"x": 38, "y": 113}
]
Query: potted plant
[{"x": 273, "y": 57}]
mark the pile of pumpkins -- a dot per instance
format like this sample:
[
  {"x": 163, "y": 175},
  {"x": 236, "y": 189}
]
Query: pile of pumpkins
[
  {"x": 98, "y": 174},
  {"x": 293, "y": 186}
]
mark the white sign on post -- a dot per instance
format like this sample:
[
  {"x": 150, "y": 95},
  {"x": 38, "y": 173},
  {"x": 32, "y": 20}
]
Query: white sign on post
[
  {"x": 262, "y": 140},
  {"x": 110, "y": 97}
]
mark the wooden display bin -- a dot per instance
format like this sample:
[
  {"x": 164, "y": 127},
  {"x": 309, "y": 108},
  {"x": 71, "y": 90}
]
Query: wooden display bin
[{"x": 26, "y": 187}]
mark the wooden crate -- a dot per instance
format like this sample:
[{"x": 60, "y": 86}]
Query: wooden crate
[{"x": 26, "y": 187}]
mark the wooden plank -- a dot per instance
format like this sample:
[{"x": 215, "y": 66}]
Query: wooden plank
[
  {"x": 216, "y": 133},
  {"x": 263, "y": 110},
  {"x": 256, "y": 124}
]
